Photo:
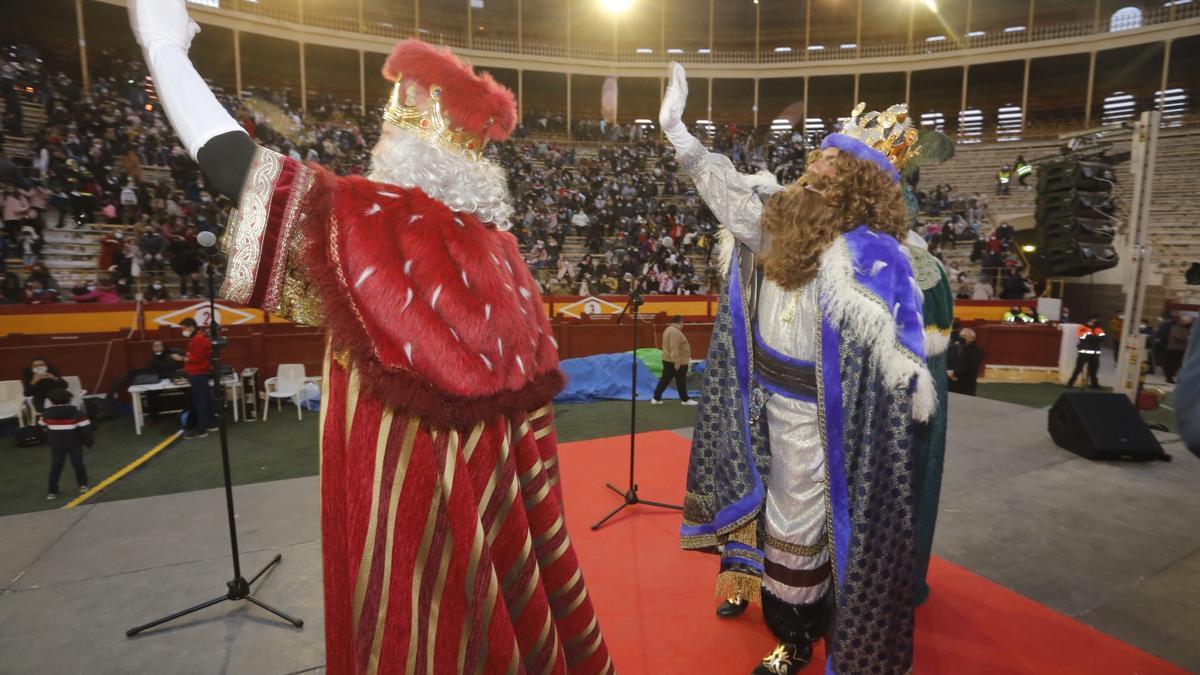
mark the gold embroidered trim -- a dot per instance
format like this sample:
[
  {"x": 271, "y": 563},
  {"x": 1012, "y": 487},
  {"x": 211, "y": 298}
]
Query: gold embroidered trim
[
  {"x": 285, "y": 246},
  {"x": 746, "y": 586},
  {"x": 788, "y": 547},
  {"x": 243, "y": 239}
]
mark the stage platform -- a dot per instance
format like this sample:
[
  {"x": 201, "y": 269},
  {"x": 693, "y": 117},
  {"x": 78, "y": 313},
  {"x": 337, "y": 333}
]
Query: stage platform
[{"x": 1047, "y": 564}]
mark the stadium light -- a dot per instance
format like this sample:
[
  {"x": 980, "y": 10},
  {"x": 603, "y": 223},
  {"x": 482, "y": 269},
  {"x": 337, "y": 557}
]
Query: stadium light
[{"x": 616, "y": 6}]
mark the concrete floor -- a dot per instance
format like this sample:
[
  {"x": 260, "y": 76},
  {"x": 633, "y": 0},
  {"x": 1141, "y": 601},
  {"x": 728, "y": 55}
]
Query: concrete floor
[{"x": 1114, "y": 545}]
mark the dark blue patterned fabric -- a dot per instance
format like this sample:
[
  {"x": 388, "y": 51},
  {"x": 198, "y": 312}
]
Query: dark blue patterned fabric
[{"x": 868, "y": 435}]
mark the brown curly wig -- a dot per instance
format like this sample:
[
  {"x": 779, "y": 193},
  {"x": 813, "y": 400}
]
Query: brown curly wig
[{"x": 803, "y": 219}]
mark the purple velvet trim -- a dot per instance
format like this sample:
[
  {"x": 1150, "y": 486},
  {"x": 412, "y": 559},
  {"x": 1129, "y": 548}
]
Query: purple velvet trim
[
  {"x": 892, "y": 283},
  {"x": 839, "y": 497},
  {"x": 745, "y": 555},
  {"x": 860, "y": 150},
  {"x": 753, "y": 499}
]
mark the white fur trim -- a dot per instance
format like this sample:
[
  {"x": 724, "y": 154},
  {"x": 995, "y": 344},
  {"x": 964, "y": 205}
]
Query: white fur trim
[
  {"x": 726, "y": 247},
  {"x": 849, "y": 304},
  {"x": 936, "y": 342},
  {"x": 467, "y": 186}
]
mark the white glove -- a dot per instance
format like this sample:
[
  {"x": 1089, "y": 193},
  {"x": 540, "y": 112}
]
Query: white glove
[
  {"x": 670, "y": 115},
  {"x": 158, "y": 23},
  {"x": 165, "y": 31}
]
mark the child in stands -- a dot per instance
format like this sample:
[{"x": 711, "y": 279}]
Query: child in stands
[{"x": 68, "y": 432}]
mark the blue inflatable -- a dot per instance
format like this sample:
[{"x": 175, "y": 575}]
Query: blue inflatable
[{"x": 606, "y": 376}]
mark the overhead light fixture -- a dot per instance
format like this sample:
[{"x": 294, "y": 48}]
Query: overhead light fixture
[
  {"x": 674, "y": 50},
  {"x": 815, "y": 48},
  {"x": 849, "y": 45},
  {"x": 935, "y": 38},
  {"x": 1015, "y": 29},
  {"x": 782, "y": 50},
  {"x": 644, "y": 50},
  {"x": 977, "y": 33},
  {"x": 931, "y": 4},
  {"x": 704, "y": 50},
  {"x": 616, "y": 6},
  {"x": 642, "y": 120},
  {"x": 1029, "y": 248}
]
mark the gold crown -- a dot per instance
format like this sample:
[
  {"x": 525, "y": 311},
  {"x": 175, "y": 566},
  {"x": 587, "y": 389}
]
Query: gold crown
[
  {"x": 427, "y": 119},
  {"x": 889, "y": 132}
]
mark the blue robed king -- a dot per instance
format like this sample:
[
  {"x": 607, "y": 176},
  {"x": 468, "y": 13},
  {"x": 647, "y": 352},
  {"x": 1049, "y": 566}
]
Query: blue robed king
[{"x": 873, "y": 388}]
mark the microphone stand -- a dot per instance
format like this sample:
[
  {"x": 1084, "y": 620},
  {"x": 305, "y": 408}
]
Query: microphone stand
[
  {"x": 237, "y": 588},
  {"x": 630, "y": 494}
]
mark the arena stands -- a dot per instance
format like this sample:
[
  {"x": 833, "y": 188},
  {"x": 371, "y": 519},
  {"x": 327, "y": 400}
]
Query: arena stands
[{"x": 592, "y": 214}]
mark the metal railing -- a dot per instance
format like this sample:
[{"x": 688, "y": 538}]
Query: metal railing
[{"x": 801, "y": 54}]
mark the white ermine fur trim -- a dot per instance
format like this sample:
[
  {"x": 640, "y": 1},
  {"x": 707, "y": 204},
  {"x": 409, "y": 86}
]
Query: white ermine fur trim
[
  {"x": 850, "y": 304},
  {"x": 726, "y": 247},
  {"x": 476, "y": 187},
  {"x": 936, "y": 342}
]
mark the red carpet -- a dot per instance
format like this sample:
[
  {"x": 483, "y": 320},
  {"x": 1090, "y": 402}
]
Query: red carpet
[{"x": 656, "y": 607}]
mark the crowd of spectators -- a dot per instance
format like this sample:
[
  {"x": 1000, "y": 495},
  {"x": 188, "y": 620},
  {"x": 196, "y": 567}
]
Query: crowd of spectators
[{"x": 622, "y": 195}]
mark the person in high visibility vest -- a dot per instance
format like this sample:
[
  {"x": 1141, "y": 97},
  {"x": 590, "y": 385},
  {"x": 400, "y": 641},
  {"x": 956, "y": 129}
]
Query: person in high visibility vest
[
  {"x": 1090, "y": 338},
  {"x": 1015, "y": 315},
  {"x": 1022, "y": 169},
  {"x": 1033, "y": 316},
  {"x": 1003, "y": 178}
]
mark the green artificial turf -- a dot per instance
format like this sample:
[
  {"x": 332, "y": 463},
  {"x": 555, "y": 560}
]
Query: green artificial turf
[
  {"x": 1044, "y": 394},
  {"x": 284, "y": 447}
]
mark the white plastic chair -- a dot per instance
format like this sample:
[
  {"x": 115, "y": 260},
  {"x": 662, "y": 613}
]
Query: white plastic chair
[
  {"x": 12, "y": 400},
  {"x": 288, "y": 383},
  {"x": 75, "y": 386}
]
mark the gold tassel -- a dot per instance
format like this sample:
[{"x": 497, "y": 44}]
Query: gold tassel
[{"x": 746, "y": 586}]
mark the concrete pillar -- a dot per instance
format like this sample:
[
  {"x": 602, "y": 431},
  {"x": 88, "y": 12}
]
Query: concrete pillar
[
  {"x": 362, "y": 83},
  {"x": 1025, "y": 96},
  {"x": 237, "y": 61},
  {"x": 1087, "y": 111},
  {"x": 303, "y": 81},
  {"x": 83, "y": 64}
]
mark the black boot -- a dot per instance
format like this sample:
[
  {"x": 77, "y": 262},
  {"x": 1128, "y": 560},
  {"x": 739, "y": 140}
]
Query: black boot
[
  {"x": 785, "y": 659},
  {"x": 732, "y": 607}
]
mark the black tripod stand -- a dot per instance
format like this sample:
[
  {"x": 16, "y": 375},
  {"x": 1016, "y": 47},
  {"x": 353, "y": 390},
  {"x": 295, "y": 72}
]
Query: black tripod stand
[
  {"x": 238, "y": 587},
  {"x": 630, "y": 495}
]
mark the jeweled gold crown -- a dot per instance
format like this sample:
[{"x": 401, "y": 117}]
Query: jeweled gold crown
[
  {"x": 890, "y": 132},
  {"x": 426, "y": 118}
]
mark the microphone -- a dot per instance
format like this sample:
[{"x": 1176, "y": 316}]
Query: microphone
[{"x": 206, "y": 239}]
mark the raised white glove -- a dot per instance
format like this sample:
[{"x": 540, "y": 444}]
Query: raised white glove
[
  {"x": 670, "y": 114},
  {"x": 165, "y": 31},
  {"x": 158, "y": 23}
]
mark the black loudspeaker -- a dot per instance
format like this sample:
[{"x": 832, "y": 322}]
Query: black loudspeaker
[{"x": 1102, "y": 426}]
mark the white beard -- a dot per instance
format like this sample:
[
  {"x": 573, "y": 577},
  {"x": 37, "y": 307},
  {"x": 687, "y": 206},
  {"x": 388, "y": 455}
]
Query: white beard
[{"x": 479, "y": 188}]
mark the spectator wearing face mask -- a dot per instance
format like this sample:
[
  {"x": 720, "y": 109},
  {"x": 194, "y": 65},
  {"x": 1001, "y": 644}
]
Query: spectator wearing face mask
[
  {"x": 152, "y": 248},
  {"x": 36, "y": 293},
  {"x": 198, "y": 368},
  {"x": 39, "y": 378},
  {"x": 157, "y": 292},
  {"x": 103, "y": 293}
]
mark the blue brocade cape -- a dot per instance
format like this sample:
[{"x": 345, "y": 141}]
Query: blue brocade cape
[{"x": 872, "y": 385}]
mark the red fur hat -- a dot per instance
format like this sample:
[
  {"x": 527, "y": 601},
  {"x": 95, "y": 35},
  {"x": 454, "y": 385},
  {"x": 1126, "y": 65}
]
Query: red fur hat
[{"x": 469, "y": 100}]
